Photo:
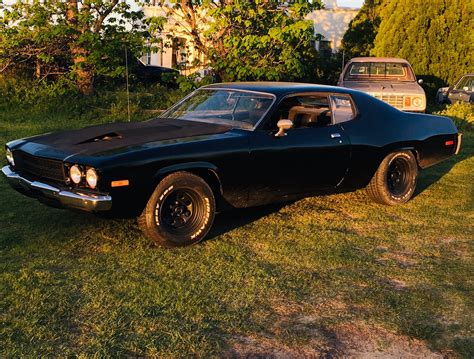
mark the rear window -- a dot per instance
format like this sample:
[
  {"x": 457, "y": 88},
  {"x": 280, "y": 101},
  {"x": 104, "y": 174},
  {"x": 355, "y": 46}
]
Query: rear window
[{"x": 370, "y": 71}]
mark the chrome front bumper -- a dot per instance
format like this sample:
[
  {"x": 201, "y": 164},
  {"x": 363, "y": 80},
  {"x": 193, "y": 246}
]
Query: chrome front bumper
[{"x": 69, "y": 199}]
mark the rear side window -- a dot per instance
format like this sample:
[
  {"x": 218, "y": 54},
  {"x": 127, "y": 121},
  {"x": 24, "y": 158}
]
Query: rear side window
[{"x": 342, "y": 108}]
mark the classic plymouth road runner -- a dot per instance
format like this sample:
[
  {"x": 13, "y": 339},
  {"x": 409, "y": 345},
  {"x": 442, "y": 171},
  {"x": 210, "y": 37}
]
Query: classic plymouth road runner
[{"x": 232, "y": 145}]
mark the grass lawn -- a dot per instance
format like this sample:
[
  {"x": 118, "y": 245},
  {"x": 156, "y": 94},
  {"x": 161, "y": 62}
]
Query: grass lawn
[{"x": 324, "y": 276}]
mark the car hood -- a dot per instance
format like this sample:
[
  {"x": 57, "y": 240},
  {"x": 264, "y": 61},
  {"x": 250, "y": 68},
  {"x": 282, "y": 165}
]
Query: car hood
[
  {"x": 94, "y": 140},
  {"x": 381, "y": 87}
]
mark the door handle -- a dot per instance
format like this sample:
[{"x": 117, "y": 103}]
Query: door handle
[{"x": 335, "y": 135}]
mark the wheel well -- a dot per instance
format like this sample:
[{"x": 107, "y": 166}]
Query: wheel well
[
  {"x": 417, "y": 156},
  {"x": 413, "y": 150},
  {"x": 211, "y": 178}
]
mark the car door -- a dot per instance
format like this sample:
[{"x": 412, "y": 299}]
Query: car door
[
  {"x": 313, "y": 155},
  {"x": 456, "y": 94}
]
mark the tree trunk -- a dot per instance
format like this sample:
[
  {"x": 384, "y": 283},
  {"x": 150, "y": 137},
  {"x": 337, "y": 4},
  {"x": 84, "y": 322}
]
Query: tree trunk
[
  {"x": 38, "y": 69},
  {"x": 84, "y": 75}
]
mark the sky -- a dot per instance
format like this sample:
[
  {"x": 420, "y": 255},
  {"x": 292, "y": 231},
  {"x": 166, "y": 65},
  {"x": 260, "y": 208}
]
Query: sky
[{"x": 350, "y": 3}]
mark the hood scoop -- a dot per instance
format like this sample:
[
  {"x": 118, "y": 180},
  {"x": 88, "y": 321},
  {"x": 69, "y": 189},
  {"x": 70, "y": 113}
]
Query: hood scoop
[{"x": 105, "y": 137}]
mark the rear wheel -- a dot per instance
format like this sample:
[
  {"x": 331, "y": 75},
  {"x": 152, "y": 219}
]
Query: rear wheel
[
  {"x": 180, "y": 211},
  {"x": 395, "y": 180}
]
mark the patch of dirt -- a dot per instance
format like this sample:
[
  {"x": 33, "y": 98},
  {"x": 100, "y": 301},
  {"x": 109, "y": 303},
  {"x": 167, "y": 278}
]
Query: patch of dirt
[
  {"x": 247, "y": 347},
  {"x": 299, "y": 331},
  {"x": 363, "y": 341},
  {"x": 346, "y": 340}
]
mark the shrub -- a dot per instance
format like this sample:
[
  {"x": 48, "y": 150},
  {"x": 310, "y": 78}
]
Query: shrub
[{"x": 462, "y": 114}]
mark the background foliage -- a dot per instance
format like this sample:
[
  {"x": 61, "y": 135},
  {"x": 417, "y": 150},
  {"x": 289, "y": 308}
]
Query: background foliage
[
  {"x": 70, "y": 42},
  {"x": 435, "y": 36},
  {"x": 250, "y": 40},
  {"x": 359, "y": 37},
  {"x": 53, "y": 49}
]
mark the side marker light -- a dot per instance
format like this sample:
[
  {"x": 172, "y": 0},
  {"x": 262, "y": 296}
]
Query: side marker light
[{"x": 121, "y": 183}]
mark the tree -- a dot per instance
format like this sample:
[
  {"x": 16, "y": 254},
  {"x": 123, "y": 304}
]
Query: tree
[
  {"x": 249, "y": 40},
  {"x": 359, "y": 37},
  {"x": 75, "y": 40},
  {"x": 435, "y": 36}
]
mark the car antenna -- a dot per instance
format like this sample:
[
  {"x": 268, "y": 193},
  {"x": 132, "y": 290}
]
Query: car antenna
[{"x": 126, "y": 78}]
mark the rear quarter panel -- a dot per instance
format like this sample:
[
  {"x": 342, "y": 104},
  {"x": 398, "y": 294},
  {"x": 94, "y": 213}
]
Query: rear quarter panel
[{"x": 381, "y": 129}]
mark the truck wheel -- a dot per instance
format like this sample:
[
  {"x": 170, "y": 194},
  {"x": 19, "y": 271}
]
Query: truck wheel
[
  {"x": 180, "y": 211},
  {"x": 394, "y": 181}
]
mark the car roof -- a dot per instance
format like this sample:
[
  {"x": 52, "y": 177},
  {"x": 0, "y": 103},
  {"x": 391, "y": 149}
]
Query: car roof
[
  {"x": 378, "y": 59},
  {"x": 278, "y": 88}
]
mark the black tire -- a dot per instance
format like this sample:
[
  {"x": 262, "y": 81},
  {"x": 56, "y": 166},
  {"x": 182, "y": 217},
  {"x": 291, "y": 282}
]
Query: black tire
[
  {"x": 180, "y": 211},
  {"x": 394, "y": 182}
]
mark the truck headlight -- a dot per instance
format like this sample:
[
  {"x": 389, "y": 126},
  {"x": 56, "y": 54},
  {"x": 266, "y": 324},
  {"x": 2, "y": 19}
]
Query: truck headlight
[
  {"x": 92, "y": 178},
  {"x": 76, "y": 174},
  {"x": 9, "y": 156},
  {"x": 417, "y": 101}
]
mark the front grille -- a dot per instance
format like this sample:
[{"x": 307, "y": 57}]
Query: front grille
[
  {"x": 38, "y": 166},
  {"x": 393, "y": 100}
]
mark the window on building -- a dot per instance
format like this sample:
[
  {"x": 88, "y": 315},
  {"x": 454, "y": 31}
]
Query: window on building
[
  {"x": 325, "y": 47},
  {"x": 178, "y": 56}
]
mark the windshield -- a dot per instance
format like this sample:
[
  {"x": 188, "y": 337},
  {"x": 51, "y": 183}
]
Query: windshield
[
  {"x": 222, "y": 106},
  {"x": 373, "y": 71}
]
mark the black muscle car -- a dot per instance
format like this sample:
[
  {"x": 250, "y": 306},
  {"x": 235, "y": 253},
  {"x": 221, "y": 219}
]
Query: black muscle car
[{"x": 232, "y": 145}]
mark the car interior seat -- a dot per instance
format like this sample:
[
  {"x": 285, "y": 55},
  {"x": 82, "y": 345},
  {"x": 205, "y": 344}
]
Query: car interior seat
[{"x": 303, "y": 116}]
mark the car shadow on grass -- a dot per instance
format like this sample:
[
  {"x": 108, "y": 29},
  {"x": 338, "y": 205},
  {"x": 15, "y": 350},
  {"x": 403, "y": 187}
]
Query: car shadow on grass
[{"x": 235, "y": 218}]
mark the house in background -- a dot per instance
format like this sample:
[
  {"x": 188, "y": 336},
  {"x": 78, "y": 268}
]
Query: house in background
[
  {"x": 176, "y": 47},
  {"x": 332, "y": 23},
  {"x": 178, "y": 51}
]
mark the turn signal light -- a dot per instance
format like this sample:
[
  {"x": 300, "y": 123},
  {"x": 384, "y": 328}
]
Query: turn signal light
[{"x": 407, "y": 101}]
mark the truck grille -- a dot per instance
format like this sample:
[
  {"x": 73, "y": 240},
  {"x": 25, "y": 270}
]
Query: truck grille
[
  {"x": 393, "y": 100},
  {"x": 38, "y": 166}
]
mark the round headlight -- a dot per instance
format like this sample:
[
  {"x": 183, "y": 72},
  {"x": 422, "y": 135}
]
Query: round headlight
[
  {"x": 75, "y": 173},
  {"x": 10, "y": 159},
  {"x": 417, "y": 102},
  {"x": 91, "y": 178}
]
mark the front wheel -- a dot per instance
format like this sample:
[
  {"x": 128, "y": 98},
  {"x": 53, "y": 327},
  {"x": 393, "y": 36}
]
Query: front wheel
[
  {"x": 180, "y": 211},
  {"x": 395, "y": 180}
]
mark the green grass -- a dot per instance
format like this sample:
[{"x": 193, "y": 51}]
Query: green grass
[{"x": 286, "y": 279}]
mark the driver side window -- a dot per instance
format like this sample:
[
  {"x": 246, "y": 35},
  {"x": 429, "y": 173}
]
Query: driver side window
[
  {"x": 314, "y": 110},
  {"x": 304, "y": 111}
]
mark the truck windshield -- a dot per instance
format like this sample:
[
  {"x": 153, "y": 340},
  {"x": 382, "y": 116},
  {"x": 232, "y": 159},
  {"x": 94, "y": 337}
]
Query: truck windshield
[
  {"x": 373, "y": 71},
  {"x": 236, "y": 108}
]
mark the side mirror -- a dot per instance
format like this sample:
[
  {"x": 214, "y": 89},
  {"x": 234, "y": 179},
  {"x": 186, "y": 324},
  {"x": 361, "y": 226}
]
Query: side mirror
[
  {"x": 420, "y": 81},
  {"x": 283, "y": 125}
]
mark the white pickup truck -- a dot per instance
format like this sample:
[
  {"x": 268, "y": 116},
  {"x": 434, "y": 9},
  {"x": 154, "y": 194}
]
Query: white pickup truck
[{"x": 391, "y": 80}]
